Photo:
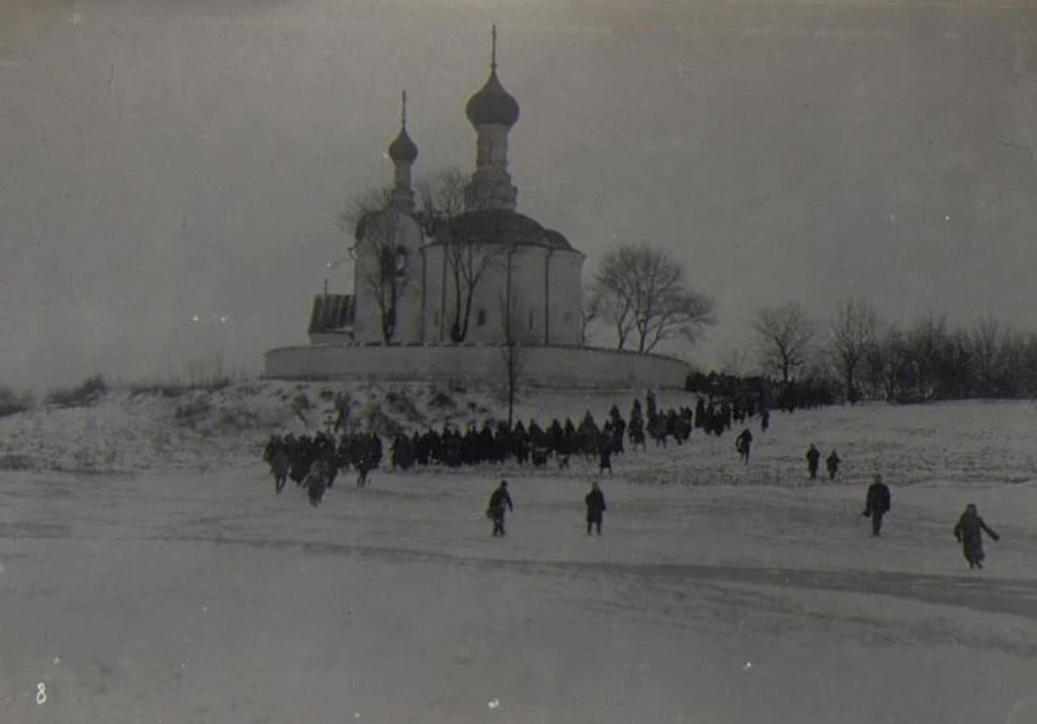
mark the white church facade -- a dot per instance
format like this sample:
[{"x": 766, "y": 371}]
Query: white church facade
[
  {"x": 437, "y": 298},
  {"x": 484, "y": 274}
]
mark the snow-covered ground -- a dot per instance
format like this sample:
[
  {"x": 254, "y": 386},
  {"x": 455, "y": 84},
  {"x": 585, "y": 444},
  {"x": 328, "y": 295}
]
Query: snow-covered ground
[{"x": 746, "y": 595}]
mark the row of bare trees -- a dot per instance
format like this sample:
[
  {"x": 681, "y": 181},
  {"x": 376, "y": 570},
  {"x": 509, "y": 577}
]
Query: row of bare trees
[{"x": 927, "y": 360}]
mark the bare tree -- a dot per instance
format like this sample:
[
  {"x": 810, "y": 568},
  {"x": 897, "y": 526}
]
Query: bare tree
[
  {"x": 784, "y": 336},
  {"x": 611, "y": 309},
  {"x": 372, "y": 221},
  {"x": 441, "y": 199},
  {"x": 986, "y": 346},
  {"x": 370, "y": 201},
  {"x": 887, "y": 359},
  {"x": 852, "y": 332},
  {"x": 470, "y": 252},
  {"x": 927, "y": 343},
  {"x": 590, "y": 316},
  {"x": 642, "y": 292},
  {"x": 516, "y": 345}
]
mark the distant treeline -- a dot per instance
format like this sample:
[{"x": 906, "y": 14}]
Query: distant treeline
[
  {"x": 933, "y": 361},
  {"x": 929, "y": 361}
]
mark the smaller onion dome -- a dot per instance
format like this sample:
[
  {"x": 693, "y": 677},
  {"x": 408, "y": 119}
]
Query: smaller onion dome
[
  {"x": 403, "y": 148},
  {"x": 492, "y": 105}
]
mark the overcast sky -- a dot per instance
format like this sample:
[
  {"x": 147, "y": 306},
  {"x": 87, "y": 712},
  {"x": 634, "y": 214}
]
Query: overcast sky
[{"x": 161, "y": 160}]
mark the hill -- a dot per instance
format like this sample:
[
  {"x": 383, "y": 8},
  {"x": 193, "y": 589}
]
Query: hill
[{"x": 177, "y": 428}]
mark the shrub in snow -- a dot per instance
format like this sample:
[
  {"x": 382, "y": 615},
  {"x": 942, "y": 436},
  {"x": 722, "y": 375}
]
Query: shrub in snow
[
  {"x": 193, "y": 411},
  {"x": 440, "y": 399},
  {"x": 12, "y": 402},
  {"x": 85, "y": 394}
]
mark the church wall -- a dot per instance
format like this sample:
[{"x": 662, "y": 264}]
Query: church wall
[
  {"x": 433, "y": 294},
  {"x": 566, "y": 296},
  {"x": 477, "y": 366},
  {"x": 527, "y": 284}
]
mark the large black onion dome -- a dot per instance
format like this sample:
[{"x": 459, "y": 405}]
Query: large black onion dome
[
  {"x": 403, "y": 148},
  {"x": 492, "y": 105}
]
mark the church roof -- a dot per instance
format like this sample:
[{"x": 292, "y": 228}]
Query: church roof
[
  {"x": 331, "y": 312},
  {"x": 500, "y": 226}
]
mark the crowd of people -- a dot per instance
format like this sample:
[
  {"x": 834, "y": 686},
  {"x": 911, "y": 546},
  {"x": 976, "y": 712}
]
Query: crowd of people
[{"x": 314, "y": 462}]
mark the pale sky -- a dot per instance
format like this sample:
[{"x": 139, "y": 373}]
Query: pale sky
[{"x": 161, "y": 160}]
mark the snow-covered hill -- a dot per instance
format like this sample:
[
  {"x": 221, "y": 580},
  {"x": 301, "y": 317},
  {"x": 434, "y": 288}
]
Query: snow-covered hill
[{"x": 190, "y": 430}]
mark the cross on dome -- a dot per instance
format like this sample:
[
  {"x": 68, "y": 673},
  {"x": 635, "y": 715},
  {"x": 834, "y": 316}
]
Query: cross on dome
[
  {"x": 403, "y": 148},
  {"x": 492, "y": 105}
]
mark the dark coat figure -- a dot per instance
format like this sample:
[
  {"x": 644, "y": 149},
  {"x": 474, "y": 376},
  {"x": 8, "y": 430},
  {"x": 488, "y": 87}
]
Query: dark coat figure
[
  {"x": 605, "y": 458},
  {"x": 743, "y": 444},
  {"x": 315, "y": 483},
  {"x": 279, "y": 469},
  {"x": 832, "y": 463},
  {"x": 500, "y": 503},
  {"x": 596, "y": 508},
  {"x": 969, "y": 532},
  {"x": 877, "y": 504},
  {"x": 813, "y": 459}
]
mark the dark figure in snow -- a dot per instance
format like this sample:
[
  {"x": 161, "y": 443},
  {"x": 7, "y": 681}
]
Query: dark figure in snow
[
  {"x": 969, "y": 532},
  {"x": 595, "y": 501},
  {"x": 743, "y": 444},
  {"x": 877, "y": 504},
  {"x": 279, "y": 469},
  {"x": 315, "y": 483},
  {"x": 813, "y": 459},
  {"x": 765, "y": 420},
  {"x": 605, "y": 458},
  {"x": 832, "y": 463},
  {"x": 500, "y": 503}
]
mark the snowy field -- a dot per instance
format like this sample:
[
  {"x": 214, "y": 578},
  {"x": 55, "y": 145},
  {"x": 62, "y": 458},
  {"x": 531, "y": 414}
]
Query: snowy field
[{"x": 717, "y": 594}]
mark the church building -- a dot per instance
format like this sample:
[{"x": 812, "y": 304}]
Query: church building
[{"x": 485, "y": 274}]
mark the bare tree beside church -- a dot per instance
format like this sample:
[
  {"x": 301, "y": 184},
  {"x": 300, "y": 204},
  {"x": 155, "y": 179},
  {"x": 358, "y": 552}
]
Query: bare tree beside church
[
  {"x": 784, "y": 335},
  {"x": 642, "y": 293},
  {"x": 471, "y": 248},
  {"x": 515, "y": 347},
  {"x": 590, "y": 316},
  {"x": 441, "y": 199},
  {"x": 853, "y": 330},
  {"x": 369, "y": 218}
]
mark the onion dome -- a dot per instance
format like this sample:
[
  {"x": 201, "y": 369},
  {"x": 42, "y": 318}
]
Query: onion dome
[
  {"x": 403, "y": 148},
  {"x": 492, "y": 105}
]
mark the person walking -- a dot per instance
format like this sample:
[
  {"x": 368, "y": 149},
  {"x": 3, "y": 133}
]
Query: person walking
[
  {"x": 813, "y": 459},
  {"x": 500, "y": 502},
  {"x": 595, "y": 501},
  {"x": 279, "y": 469},
  {"x": 969, "y": 532},
  {"x": 832, "y": 463},
  {"x": 743, "y": 444},
  {"x": 877, "y": 503}
]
